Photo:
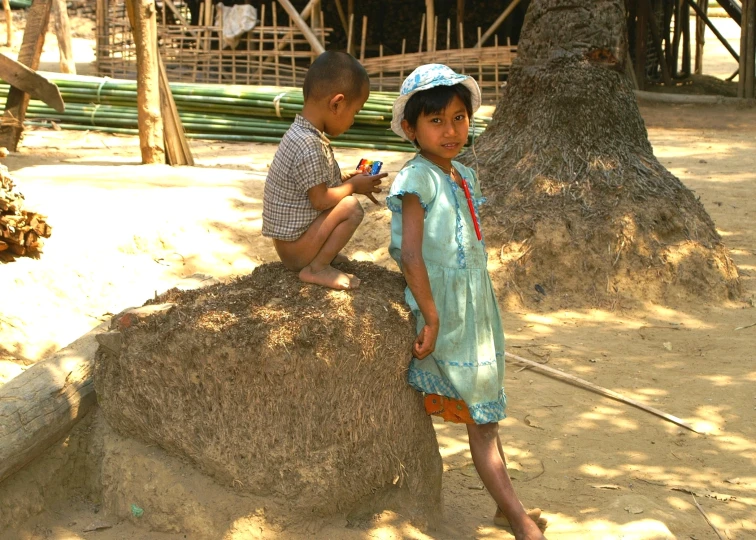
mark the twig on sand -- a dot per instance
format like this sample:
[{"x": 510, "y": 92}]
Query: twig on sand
[
  {"x": 572, "y": 379},
  {"x": 719, "y": 535},
  {"x": 746, "y": 326}
]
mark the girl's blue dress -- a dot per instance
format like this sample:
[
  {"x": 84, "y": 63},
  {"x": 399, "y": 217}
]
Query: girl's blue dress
[{"x": 468, "y": 361}]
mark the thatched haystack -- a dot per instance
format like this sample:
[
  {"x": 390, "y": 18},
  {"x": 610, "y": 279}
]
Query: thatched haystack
[
  {"x": 581, "y": 213},
  {"x": 280, "y": 389}
]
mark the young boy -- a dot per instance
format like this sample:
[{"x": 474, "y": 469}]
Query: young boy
[{"x": 308, "y": 209}]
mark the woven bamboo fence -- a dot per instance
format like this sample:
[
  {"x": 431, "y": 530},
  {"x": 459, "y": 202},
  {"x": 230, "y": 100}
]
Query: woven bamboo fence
[{"x": 274, "y": 52}]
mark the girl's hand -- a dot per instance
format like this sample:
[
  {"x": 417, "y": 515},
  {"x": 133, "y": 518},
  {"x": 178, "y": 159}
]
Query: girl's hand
[{"x": 426, "y": 341}]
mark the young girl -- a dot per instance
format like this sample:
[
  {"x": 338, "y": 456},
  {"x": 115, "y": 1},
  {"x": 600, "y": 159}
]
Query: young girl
[{"x": 436, "y": 240}]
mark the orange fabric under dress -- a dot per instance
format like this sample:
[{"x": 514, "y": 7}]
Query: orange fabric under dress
[{"x": 451, "y": 410}]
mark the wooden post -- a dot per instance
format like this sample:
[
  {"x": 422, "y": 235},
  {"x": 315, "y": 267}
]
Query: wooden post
[
  {"x": 700, "y": 39},
  {"x": 148, "y": 80},
  {"x": 685, "y": 22},
  {"x": 430, "y": 21},
  {"x": 422, "y": 33},
  {"x": 747, "y": 50},
  {"x": 350, "y": 35},
  {"x": 8, "y": 23},
  {"x": 497, "y": 23},
  {"x": 37, "y": 19},
  {"x": 317, "y": 47},
  {"x": 657, "y": 42},
  {"x": 63, "y": 32}
]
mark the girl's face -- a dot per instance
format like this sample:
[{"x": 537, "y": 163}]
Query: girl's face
[{"x": 441, "y": 135}]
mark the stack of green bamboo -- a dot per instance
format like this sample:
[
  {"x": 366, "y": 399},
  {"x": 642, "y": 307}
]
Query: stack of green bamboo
[{"x": 209, "y": 111}]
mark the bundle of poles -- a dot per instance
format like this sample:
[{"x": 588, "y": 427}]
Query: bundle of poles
[{"x": 227, "y": 113}]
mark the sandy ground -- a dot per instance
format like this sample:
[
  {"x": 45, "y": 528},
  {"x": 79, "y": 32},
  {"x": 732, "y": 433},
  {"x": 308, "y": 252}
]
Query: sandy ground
[{"x": 600, "y": 469}]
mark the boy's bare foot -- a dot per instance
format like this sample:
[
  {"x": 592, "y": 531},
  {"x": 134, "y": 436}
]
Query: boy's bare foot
[
  {"x": 340, "y": 258},
  {"x": 329, "y": 277},
  {"x": 535, "y": 514}
]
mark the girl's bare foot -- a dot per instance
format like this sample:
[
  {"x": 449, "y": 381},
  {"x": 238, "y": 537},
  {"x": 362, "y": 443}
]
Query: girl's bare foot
[
  {"x": 535, "y": 514},
  {"x": 340, "y": 258},
  {"x": 329, "y": 277}
]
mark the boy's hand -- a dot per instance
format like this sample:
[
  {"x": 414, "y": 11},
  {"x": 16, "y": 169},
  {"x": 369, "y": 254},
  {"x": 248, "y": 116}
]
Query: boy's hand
[
  {"x": 367, "y": 185},
  {"x": 426, "y": 341},
  {"x": 347, "y": 175}
]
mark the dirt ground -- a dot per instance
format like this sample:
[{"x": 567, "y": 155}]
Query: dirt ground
[{"x": 599, "y": 468}]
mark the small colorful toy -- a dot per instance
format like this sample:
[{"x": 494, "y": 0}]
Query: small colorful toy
[{"x": 369, "y": 167}]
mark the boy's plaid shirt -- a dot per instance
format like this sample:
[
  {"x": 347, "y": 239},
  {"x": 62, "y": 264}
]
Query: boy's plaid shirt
[{"x": 303, "y": 160}]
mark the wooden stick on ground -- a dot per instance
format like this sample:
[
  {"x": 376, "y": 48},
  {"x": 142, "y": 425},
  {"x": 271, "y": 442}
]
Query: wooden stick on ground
[
  {"x": 8, "y": 23},
  {"x": 63, "y": 33},
  {"x": 706, "y": 517},
  {"x": 577, "y": 381}
]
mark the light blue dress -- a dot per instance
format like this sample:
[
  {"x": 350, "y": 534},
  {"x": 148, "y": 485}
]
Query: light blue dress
[{"x": 468, "y": 361}]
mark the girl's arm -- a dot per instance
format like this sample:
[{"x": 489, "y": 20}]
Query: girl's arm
[{"x": 416, "y": 274}]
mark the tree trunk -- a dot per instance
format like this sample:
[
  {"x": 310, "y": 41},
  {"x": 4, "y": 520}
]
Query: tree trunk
[
  {"x": 148, "y": 86},
  {"x": 579, "y": 205},
  {"x": 63, "y": 32}
]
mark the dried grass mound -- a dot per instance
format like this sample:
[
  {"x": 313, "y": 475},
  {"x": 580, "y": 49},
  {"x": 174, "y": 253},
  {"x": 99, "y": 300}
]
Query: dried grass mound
[
  {"x": 581, "y": 213},
  {"x": 280, "y": 389}
]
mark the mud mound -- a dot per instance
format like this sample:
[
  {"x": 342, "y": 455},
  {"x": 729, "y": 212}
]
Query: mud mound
[{"x": 280, "y": 389}]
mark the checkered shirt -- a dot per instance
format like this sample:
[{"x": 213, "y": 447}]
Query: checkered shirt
[{"x": 303, "y": 160}]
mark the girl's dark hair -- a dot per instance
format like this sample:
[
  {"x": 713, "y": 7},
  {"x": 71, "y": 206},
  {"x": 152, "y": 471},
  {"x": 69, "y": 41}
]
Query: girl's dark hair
[{"x": 434, "y": 100}]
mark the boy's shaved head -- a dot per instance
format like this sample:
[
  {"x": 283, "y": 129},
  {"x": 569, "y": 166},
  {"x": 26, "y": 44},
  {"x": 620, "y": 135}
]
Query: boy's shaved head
[{"x": 335, "y": 73}]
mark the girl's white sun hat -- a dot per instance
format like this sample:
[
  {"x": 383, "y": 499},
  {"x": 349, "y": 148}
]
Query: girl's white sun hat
[{"x": 423, "y": 78}]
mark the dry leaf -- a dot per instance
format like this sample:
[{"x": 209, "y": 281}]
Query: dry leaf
[
  {"x": 667, "y": 345},
  {"x": 532, "y": 423}
]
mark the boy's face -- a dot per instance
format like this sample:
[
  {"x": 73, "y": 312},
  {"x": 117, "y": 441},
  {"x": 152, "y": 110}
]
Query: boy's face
[{"x": 342, "y": 111}]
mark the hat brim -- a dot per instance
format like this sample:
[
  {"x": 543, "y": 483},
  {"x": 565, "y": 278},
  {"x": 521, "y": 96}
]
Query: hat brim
[{"x": 401, "y": 101}]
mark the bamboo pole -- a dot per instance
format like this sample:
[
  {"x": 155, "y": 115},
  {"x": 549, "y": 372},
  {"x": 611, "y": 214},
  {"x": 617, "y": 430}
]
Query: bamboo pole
[
  {"x": 713, "y": 29},
  {"x": 422, "y": 33},
  {"x": 317, "y": 47},
  {"x": 148, "y": 85},
  {"x": 435, "y": 34},
  {"x": 8, "y": 23},
  {"x": 350, "y": 35},
  {"x": 401, "y": 71},
  {"x": 260, "y": 47},
  {"x": 448, "y": 34},
  {"x": 700, "y": 37},
  {"x": 497, "y": 23},
  {"x": 430, "y": 18},
  {"x": 364, "y": 37},
  {"x": 275, "y": 41},
  {"x": 342, "y": 15},
  {"x": 566, "y": 377}
]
